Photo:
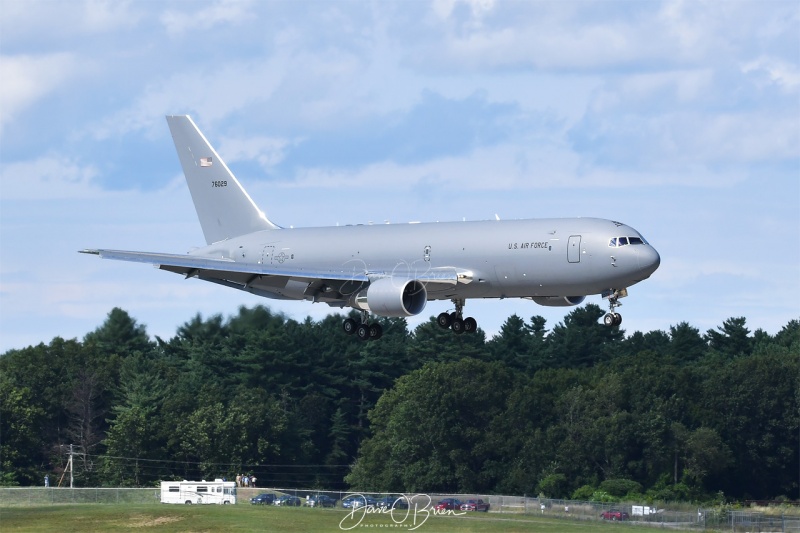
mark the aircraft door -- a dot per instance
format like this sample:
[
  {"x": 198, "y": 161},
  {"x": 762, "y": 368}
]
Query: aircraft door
[
  {"x": 574, "y": 249},
  {"x": 266, "y": 255}
]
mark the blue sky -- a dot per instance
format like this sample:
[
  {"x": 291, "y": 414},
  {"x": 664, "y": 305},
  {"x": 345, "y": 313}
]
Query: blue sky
[{"x": 681, "y": 119}]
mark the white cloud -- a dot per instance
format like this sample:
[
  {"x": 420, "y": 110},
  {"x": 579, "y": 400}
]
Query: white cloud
[
  {"x": 107, "y": 15},
  {"x": 51, "y": 176},
  {"x": 53, "y": 24},
  {"x": 512, "y": 167},
  {"x": 221, "y": 12},
  {"x": 781, "y": 73},
  {"x": 28, "y": 78},
  {"x": 212, "y": 91}
]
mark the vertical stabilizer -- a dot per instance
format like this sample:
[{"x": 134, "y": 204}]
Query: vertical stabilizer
[{"x": 224, "y": 208}]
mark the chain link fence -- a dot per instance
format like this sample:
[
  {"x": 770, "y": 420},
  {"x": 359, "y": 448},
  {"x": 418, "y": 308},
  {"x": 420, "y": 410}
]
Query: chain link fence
[
  {"x": 758, "y": 522},
  {"x": 701, "y": 519},
  {"x": 12, "y": 496}
]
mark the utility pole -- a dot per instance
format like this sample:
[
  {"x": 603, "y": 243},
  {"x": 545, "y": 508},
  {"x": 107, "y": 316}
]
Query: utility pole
[{"x": 69, "y": 467}]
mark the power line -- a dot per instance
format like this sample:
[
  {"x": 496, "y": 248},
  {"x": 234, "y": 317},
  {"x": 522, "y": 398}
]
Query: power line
[{"x": 205, "y": 463}]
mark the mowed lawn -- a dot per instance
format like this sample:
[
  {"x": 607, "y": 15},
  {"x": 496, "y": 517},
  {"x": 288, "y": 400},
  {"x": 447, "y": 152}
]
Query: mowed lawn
[{"x": 145, "y": 518}]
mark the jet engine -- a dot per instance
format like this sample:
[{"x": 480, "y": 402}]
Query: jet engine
[
  {"x": 558, "y": 301},
  {"x": 397, "y": 297}
]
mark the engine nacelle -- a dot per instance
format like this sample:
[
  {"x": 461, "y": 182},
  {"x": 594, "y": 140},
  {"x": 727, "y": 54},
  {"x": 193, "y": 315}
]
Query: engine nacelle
[
  {"x": 558, "y": 301},
  {"x": 397, "y": 297}
]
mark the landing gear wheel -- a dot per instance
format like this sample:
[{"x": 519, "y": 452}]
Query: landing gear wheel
[
  {"x": 444, "y": 320},
  {"x": 375, "y": 331},
  {"x": 470, "y": 325},
  {"x": 363, "y": 332},
  {"x": 458, "y": 326},
  {"x": 349, "y": 326},
  {"x": 612, "y": 319}
]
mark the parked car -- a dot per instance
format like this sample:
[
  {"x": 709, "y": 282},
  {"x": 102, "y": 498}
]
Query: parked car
[
  {"x": 354, "y": 501},
  {"x": 449, "y": 504},
  {"x": 287, "y": 500},
  {"x": 475, "y": 505},
  {"x": 321, "y": 500},
  {"x": 263, "y": 499},
  {"x": 392, "y": 501},
  {"x": 614, "y": 514}
]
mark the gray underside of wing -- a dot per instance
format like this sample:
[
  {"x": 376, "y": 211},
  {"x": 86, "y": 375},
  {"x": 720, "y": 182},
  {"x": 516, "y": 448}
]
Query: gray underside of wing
[{"x": 334, "y": 287}]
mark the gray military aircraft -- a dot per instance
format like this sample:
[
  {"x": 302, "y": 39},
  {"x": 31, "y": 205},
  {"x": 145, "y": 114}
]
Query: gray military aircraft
[{"x": 393, "y": 270}]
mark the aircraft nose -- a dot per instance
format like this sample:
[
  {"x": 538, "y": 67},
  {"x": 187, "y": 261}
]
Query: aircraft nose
[{"x": 649, "y": 260}]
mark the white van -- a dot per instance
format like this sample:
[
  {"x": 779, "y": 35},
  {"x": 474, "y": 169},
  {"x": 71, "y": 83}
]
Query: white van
[{"x": 200, "y": 492}]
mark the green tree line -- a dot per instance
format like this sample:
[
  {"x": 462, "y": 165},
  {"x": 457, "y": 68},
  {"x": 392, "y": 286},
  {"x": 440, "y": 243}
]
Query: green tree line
[{"x": 579, "y": 410}]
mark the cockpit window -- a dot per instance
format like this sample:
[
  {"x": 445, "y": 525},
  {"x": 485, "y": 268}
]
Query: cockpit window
[{"x": 624, "y": 241}]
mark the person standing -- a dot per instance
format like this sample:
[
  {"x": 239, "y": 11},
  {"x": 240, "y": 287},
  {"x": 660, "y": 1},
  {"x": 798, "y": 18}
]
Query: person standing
[{"x": 47, "y": 480}]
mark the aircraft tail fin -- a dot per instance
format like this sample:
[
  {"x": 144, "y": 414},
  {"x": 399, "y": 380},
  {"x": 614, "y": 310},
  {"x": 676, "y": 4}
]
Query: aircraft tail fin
[{"x": 223, "y": 206}]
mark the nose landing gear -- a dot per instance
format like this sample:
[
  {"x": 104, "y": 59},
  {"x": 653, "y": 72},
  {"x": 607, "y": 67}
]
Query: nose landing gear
[
  {"x": 613, "y": 318},
  {"x": 456, "y": 320}
]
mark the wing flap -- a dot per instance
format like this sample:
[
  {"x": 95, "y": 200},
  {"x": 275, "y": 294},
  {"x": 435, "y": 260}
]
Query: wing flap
[
  {"x": 334, "y": 287},
  {"x": 185, "y": 264}
]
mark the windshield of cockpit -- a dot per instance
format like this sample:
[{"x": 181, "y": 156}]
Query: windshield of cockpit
[{"x": 625, "y": 241}]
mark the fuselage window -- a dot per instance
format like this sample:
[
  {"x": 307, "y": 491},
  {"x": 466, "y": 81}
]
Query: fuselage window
[
  {"x": 636, "y": 240},
  {"x": 622, "y": 241},
  {"x": 613, "y": 242}
]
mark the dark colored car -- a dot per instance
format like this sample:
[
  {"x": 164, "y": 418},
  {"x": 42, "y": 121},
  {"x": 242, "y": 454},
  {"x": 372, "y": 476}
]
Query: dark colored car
[
  {"x": 614, "y": 514},
  {"x": 263, "y": 499},
  {"x": 449, "y": 504},
  {"x": 392, "y": 502},
  {"x": 287, "y": 500},
  {"x": 354, "y": 501},
  {"x": 475, "y": 505},
  {"x": 321, "y": 500}
]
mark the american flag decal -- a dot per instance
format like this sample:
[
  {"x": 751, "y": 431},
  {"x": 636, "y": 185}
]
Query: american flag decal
[{"x": 205, "y": 161}]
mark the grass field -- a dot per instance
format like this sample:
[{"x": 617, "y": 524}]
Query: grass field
[{"x": 245, "y": 518}]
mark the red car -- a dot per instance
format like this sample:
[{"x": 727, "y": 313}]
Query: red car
[
  {"x": 614, "y": 514},
  {"x": 449, "y": 504},
  {"x": 475, "y": 505}
]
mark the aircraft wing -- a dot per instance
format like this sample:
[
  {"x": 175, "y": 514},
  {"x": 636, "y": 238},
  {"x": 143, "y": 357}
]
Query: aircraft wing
[{"x": 332, "y": 286}]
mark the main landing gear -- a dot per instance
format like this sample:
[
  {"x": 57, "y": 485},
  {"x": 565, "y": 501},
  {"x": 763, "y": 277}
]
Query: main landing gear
[
  {"x": 456, "y": 320},
  {"x": 613, "y": 318},
  {"x": 364, "y": 331}
]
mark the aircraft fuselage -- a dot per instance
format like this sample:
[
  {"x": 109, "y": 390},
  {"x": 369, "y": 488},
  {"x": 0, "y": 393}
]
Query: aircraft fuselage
[{"x": 498, "y": 259}]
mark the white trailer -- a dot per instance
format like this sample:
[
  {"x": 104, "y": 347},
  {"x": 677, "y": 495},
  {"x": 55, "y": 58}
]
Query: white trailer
[{"x": 200, "y": 492}]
